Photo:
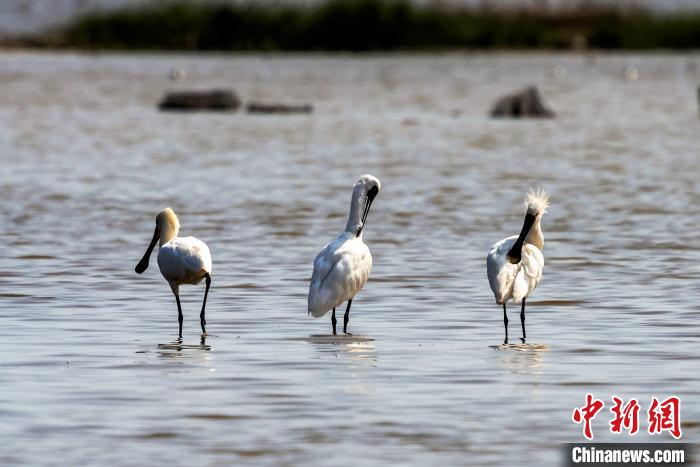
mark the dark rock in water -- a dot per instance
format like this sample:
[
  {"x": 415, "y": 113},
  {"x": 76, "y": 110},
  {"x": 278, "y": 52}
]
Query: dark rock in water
[
  {"x": 268, "y": 108},
  {"x": 526, "y": 103},
  {"x": 221, "y": 100}
]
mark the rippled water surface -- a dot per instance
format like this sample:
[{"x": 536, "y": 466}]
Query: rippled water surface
[{"x": 92, "y": 373}]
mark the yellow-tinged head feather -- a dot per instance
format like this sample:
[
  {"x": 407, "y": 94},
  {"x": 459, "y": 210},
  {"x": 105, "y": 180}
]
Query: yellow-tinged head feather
[
  {"x": 167, "y": 217},
  {"x": 168, "y": 224}
]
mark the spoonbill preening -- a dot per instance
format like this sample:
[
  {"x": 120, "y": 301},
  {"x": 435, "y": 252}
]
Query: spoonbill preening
[
  {"x": 514, "y": 265},
  {"x": 342, "y": 267},
  {"x": 182, "y": 260}
]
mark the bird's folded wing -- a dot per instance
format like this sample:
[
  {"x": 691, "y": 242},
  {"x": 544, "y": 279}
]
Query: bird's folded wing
[
  {"x": 325, "y": 260},
  {"x": 323, "y": 265},
  {"x": 501, "y": 273},
  {"x": 196, "y": 254},
  {"x": 340, "y": 270},
  {"x": 182, "y": 257}
]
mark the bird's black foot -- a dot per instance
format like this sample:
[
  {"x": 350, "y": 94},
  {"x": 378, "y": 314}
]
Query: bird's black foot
[
  {"x": 505, "y": 341},
  {"x": 522, "y": 339}
]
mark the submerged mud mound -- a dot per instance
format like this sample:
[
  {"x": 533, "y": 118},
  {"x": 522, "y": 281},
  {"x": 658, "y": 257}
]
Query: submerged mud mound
[
  {"x": 278, "y": 108},
  {"x": 525, "y": 104},
  {"x": 217, "y": 99}
]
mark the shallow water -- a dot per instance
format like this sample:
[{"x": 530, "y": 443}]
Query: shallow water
[{"x": 92, "y": 372}]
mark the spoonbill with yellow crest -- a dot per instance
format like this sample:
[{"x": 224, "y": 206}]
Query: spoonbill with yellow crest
[{"x": 514, "y": 265}]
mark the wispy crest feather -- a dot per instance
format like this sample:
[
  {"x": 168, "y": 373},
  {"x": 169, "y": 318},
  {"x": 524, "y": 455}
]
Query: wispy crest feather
[{"x": 537, "y": 200}]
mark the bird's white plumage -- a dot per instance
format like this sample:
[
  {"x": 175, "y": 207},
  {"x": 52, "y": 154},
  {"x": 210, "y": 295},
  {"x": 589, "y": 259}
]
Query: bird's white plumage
[
  {"x": 341, "y": 269},
  {"x": 516, "y": 281},
  {"x": 184, "y": 260},
  {"x": 513, "y": 281}
]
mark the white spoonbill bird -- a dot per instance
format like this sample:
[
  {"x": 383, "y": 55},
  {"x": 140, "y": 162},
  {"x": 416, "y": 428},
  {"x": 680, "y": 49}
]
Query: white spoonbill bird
[
  {"x": 342, "y": 267},
  {"x": 182, "y": 260},
  {"x": 514, "y": 265}
]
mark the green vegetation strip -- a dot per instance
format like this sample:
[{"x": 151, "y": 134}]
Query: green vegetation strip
[{"x": 365, "y": 25}]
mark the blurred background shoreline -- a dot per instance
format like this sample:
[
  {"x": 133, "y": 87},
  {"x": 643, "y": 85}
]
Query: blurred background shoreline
[{"x": 349, "y": 25}]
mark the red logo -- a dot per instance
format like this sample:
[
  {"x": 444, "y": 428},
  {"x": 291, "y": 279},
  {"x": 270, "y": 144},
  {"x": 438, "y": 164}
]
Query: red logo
[
  {"x": 587, "y": 413},
  {"x": 626, "y": 417},
  {"x": 661, "y": 416},
  {"x": 665, "y": 416}
]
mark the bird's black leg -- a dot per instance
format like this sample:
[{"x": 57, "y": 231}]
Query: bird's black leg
[
  {"x": 333, "y": 321},
  {"x": 346, "y": 318},
  {"x": 202, "y": 321},
  {"x": 505, "y": 323},
  {"x": 179, "y": 312},
  {"x": 522, "y": 320}
]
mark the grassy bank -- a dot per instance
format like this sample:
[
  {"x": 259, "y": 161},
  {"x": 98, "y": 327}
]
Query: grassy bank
[{"x": 361, "y": 25}]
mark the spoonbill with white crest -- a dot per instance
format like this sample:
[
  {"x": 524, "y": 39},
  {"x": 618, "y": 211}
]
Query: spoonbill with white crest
[
  {"x": 182, "y": 260},
  {"x": 342, "y": 267},
  {"x": 514, "y": 265}
]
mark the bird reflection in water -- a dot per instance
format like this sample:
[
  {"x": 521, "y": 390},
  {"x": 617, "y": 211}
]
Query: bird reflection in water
[
  {"x": 522, "y": 357},
  {"x": 177, "y": 349},
  {"x": 356, "y": 347}
]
